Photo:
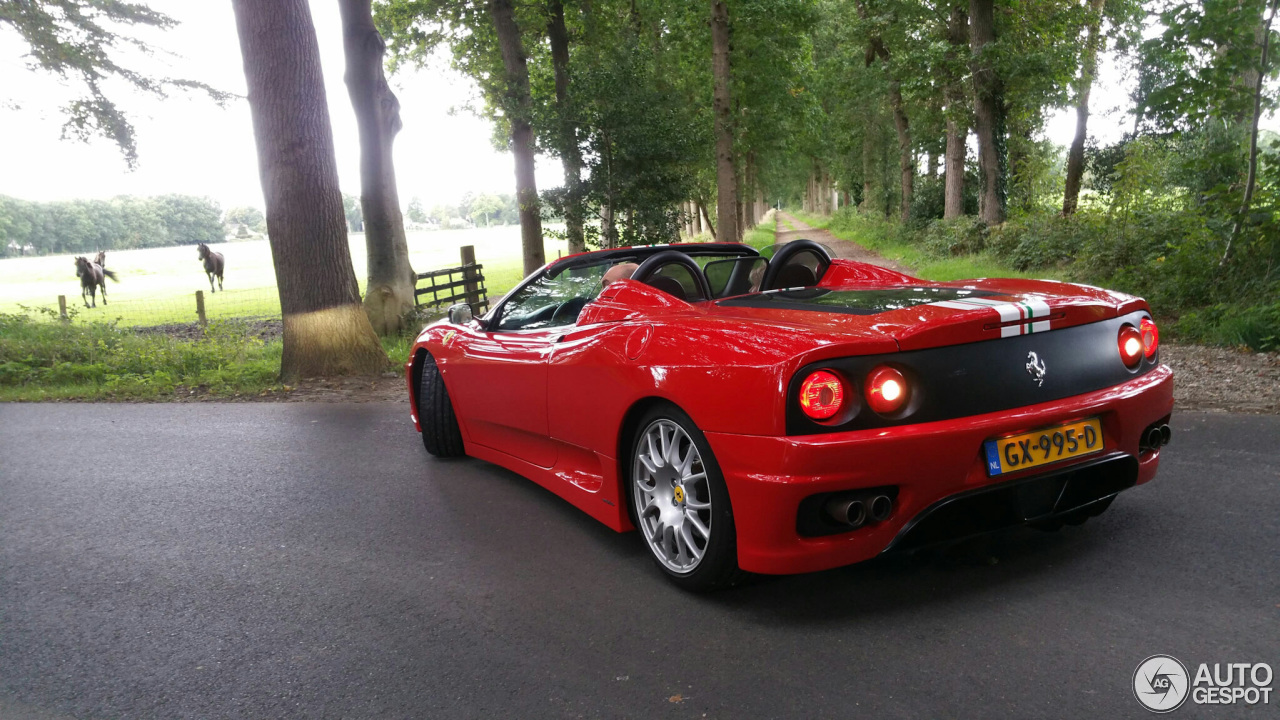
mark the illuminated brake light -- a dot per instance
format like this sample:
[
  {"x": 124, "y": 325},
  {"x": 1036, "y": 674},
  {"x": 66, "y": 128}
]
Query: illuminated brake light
[
  {"x": 821, "y": 395},
  {"x": 1130, "y": 342},
  {"x": 1150, "y": 337},
  {"x": 887, "y": 390}
]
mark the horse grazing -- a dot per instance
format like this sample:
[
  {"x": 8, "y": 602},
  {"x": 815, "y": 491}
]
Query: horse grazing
[
  {"x": 92, "y": 276},
  {"x": 213, "y": 264}
]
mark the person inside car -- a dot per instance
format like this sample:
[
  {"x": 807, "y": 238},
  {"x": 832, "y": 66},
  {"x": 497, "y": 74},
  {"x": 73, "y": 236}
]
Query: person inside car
[{"x": 621, "y": 271}]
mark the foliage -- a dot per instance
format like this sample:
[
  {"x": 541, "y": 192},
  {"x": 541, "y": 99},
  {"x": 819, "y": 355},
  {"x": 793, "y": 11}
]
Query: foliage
[
  {"x": 86, "y": 226},
  {"x": 1256, "y": 327},
  {"x": 42, "y": 358},
  {"x": 81, "y": 40},
  {"x": 354, "y": 212},
  {"x": 249, "y": 217}
]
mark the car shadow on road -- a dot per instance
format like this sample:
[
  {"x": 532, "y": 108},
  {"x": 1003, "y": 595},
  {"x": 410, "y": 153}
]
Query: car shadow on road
[{"x": 579, "y": 550}]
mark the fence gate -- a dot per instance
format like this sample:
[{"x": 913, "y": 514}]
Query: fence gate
[{"x": 462, "y": 284}]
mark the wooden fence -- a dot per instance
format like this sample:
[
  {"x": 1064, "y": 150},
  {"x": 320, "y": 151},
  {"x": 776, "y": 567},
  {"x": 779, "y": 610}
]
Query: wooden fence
[{"x": 450, "y": 286}]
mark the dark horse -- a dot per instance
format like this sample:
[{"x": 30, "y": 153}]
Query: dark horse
[
  {"x": 213, "y": 264},
  {"x": 92, "y": 276}
]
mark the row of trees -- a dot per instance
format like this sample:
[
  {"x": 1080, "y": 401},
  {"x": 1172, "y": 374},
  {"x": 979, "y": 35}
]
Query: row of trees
[
  {"x": 623, "y": 93},
  {"x": 86, "y": 226},
  {"x": 655, "y": 106}
]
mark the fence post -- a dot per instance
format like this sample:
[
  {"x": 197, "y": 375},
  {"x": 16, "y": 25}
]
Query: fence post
[
  {"x": 62, "y": 308},
  {"x": 200, "y": 308},
  {"x": 468, "y": 272}
]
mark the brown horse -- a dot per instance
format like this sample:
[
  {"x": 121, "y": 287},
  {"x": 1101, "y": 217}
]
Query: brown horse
[
  {"x": 92, "y": 276},
  {"x": 101, "y": 259},
  {"x": 213, "y": 264}
]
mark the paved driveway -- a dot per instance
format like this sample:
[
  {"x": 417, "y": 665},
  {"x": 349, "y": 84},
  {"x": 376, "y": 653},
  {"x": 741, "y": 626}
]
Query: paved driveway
[{"x": 309, "y": 560}]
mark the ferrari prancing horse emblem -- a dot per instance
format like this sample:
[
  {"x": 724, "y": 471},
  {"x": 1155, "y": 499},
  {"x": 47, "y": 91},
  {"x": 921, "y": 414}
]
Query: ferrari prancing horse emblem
[
  {"x": 1035, "y": 367},
  {"x": 679, "y": 493}
]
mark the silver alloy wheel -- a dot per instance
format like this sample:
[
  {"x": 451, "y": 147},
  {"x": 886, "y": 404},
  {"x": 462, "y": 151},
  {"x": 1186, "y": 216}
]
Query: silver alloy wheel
[{"x": 672, "y": 497}]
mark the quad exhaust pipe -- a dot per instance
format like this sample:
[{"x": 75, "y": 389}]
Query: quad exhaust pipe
[
  {"x": 1156, "y": 437},
  {"x": 854, "y": 512}
]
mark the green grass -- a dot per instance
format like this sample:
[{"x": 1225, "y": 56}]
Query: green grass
[
  {"x": 886, "y": 239},
  {"x": 42, "y": 360},
  {"x": 157, "y": 285},
  {"x": 762, "y": 236}
]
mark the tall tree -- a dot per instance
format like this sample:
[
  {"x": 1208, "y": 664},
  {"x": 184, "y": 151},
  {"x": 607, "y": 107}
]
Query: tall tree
[
  {"x": 1088, "y": 67},
  {"x": 906, "y": 156},
  {"x": 388, "y": 299},
  {"x": 957, "y": 115},
  {"x": 326, "y": 331},
  {"x": 726, "y": 167},
  {"x": 988, "y": 111},
  {"x": 570, "y": 153},
  {"x": 518, "y": 107}
]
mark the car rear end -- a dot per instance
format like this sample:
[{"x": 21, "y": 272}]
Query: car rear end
[{"x": 977, "y": 423}]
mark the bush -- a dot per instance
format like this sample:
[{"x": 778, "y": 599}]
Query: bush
[
  {"x": 100, "y": 359},
  {"x": 960, "y": 236},
  {"x": 1254, "y": 327}
]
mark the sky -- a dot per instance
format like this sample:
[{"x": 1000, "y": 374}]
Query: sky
[{"x": 188, "y": 145}]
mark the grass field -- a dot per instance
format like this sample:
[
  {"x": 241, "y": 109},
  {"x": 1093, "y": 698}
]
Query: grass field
[{"x": 157, "y": 286}]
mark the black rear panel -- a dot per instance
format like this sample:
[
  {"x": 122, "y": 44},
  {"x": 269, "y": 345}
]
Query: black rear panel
[{"x": 975, "y": 378}]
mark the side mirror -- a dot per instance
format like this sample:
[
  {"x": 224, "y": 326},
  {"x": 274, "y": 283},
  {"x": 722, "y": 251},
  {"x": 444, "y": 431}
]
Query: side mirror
[{"x": 460, "y": 314}]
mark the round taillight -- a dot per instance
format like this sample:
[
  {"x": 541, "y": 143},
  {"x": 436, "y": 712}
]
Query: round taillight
[
  {"x": 821, "y": 395},
  {"x": 887, "y": 390},
  {"x": 1150, "y": 337},
  {"x": 1130, "y": 346}
]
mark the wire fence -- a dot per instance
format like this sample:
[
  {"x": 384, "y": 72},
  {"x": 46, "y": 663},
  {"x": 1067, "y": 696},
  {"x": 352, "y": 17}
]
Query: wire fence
[
  {"x": 170, "y": 307},
  {"x": 261, "y": 303}
]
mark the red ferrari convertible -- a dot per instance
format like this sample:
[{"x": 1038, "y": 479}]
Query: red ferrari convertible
[{"x": 798, "y": 412}]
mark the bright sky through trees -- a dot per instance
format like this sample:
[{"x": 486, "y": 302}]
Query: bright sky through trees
[{"x": 188, "y": 145}]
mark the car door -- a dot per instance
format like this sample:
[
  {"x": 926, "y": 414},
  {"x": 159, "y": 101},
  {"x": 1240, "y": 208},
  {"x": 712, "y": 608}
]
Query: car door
[{"x": 500, "y": 379}]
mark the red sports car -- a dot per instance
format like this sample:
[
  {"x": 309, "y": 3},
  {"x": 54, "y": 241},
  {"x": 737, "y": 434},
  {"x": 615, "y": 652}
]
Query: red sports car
[{"x": 796, "y": 413}]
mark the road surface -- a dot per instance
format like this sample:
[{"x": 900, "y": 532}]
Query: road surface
[{"x": 311, "y": 561}]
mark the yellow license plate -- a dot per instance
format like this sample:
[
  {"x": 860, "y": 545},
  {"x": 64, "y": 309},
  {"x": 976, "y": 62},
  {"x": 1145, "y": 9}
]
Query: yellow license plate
[{"x": 1045, "y": 446}]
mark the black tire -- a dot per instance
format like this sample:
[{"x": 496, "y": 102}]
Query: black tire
[
  {"x": 440, "y": 434},
  {"x": 718, "y": 567}
]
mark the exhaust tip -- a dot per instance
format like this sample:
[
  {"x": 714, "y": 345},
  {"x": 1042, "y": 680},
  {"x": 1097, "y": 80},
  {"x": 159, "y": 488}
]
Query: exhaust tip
[
  {"x": 1153, "y": 439},
  {"x": 848, "y": 512},
  {"x": 1166, "y": 434},
  {"x": 881, "y": 508}
]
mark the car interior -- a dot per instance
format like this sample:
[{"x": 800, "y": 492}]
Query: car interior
[{"x": 557, "y": 300}]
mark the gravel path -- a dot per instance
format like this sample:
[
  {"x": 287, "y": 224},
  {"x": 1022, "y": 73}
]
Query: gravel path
[{"x": 1211, "y": 379}]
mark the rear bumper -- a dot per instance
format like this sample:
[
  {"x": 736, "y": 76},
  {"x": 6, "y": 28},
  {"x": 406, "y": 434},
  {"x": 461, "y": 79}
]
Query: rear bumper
[{"x": 937, "y": 468}]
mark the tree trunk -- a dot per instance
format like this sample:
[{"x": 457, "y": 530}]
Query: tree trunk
[
  {"x": 388, "y": 298},
  {"x": 988, "y": 112},
  {"x": 326, "y": 331},
  {"x": 957, "y": 131},
  {"x": 570, "y": 153},
  {"x": 868, "y": 168},
  {"x": 726, "y": 172},
  {"x": 697, "y": 217},
  {"x": 518, "y": 107},
  {"x": 906, "y": 158},
  {"x": 706, "y": 217},
  {"x": 1088, "y": 66},
  {"x": 1252, "y": 178}
]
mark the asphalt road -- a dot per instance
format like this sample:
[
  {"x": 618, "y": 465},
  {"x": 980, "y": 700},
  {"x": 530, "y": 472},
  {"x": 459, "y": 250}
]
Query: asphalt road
[{"x": 311, "y": 561}]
